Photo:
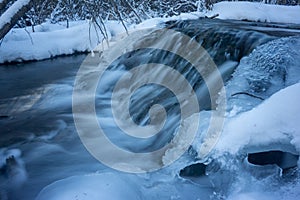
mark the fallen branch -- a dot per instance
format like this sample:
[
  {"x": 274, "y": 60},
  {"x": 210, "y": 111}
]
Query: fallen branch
[{"x": 213, "y": 17}]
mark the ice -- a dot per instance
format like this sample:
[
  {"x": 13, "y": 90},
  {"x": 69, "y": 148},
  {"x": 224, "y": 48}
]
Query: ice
[
  {"x": 118, "y": 186},
  {"x": 269, "y": 68},
  {"x": 97, "y": 186},
  {"x": 253, "y": 196}
]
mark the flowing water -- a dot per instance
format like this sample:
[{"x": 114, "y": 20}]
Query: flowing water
[{"x": 37, "y": 125}]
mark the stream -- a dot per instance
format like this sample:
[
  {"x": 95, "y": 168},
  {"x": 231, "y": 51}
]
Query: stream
[{"x": 37, "y": 127}]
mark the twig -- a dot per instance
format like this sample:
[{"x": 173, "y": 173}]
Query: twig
[
  {"x": 29, "y": 35},
  {"x": 212, "y": 17},
  {"x": 246, "y": 93}
]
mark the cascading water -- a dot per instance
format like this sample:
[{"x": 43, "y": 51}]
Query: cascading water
[{"x": 254, "y": 61}]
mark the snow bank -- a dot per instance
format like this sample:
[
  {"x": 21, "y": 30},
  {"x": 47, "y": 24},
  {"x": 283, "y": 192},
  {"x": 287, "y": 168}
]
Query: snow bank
[
  {"x": 256, "y": 12},
  {"x": 51, "y": 40},
  {"x": 273, "y": 124}
]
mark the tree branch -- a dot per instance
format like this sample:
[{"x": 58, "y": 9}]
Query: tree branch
[{"x": 11, "y": 16}]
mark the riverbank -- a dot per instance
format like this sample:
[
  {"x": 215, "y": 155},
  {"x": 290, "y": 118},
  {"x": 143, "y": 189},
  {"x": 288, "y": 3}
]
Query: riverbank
[{"x": 50, "y": 40}]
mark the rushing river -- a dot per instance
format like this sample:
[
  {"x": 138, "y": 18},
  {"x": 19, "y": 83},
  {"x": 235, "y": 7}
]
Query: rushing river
[{"x": 37, "y": 124}]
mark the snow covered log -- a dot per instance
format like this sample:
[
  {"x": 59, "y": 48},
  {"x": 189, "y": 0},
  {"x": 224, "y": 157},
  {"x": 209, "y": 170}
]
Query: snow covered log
[{"x": 11, "y": 16}]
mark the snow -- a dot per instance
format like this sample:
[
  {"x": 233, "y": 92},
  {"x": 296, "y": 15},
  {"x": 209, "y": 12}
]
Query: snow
[
  {"x": 9, "y": 13},
  {"x": 274, "y": 123},
  {"x": 256, "y": 12},
  {"x": 51, "y": 40},
  {"x": 150, "y": 23}
]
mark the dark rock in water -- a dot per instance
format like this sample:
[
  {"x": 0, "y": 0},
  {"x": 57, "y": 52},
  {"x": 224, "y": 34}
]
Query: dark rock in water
[
  {"x": 290, "y": 174},
  {"x": 284, "y": 160},
  {"x": 4, "y": 117},
  {"x": 194, "y": 170},
  {"x": 2, "y": 170},
  {"x": 11, "y": 163},
  {"x": 13, "y": 176}
]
